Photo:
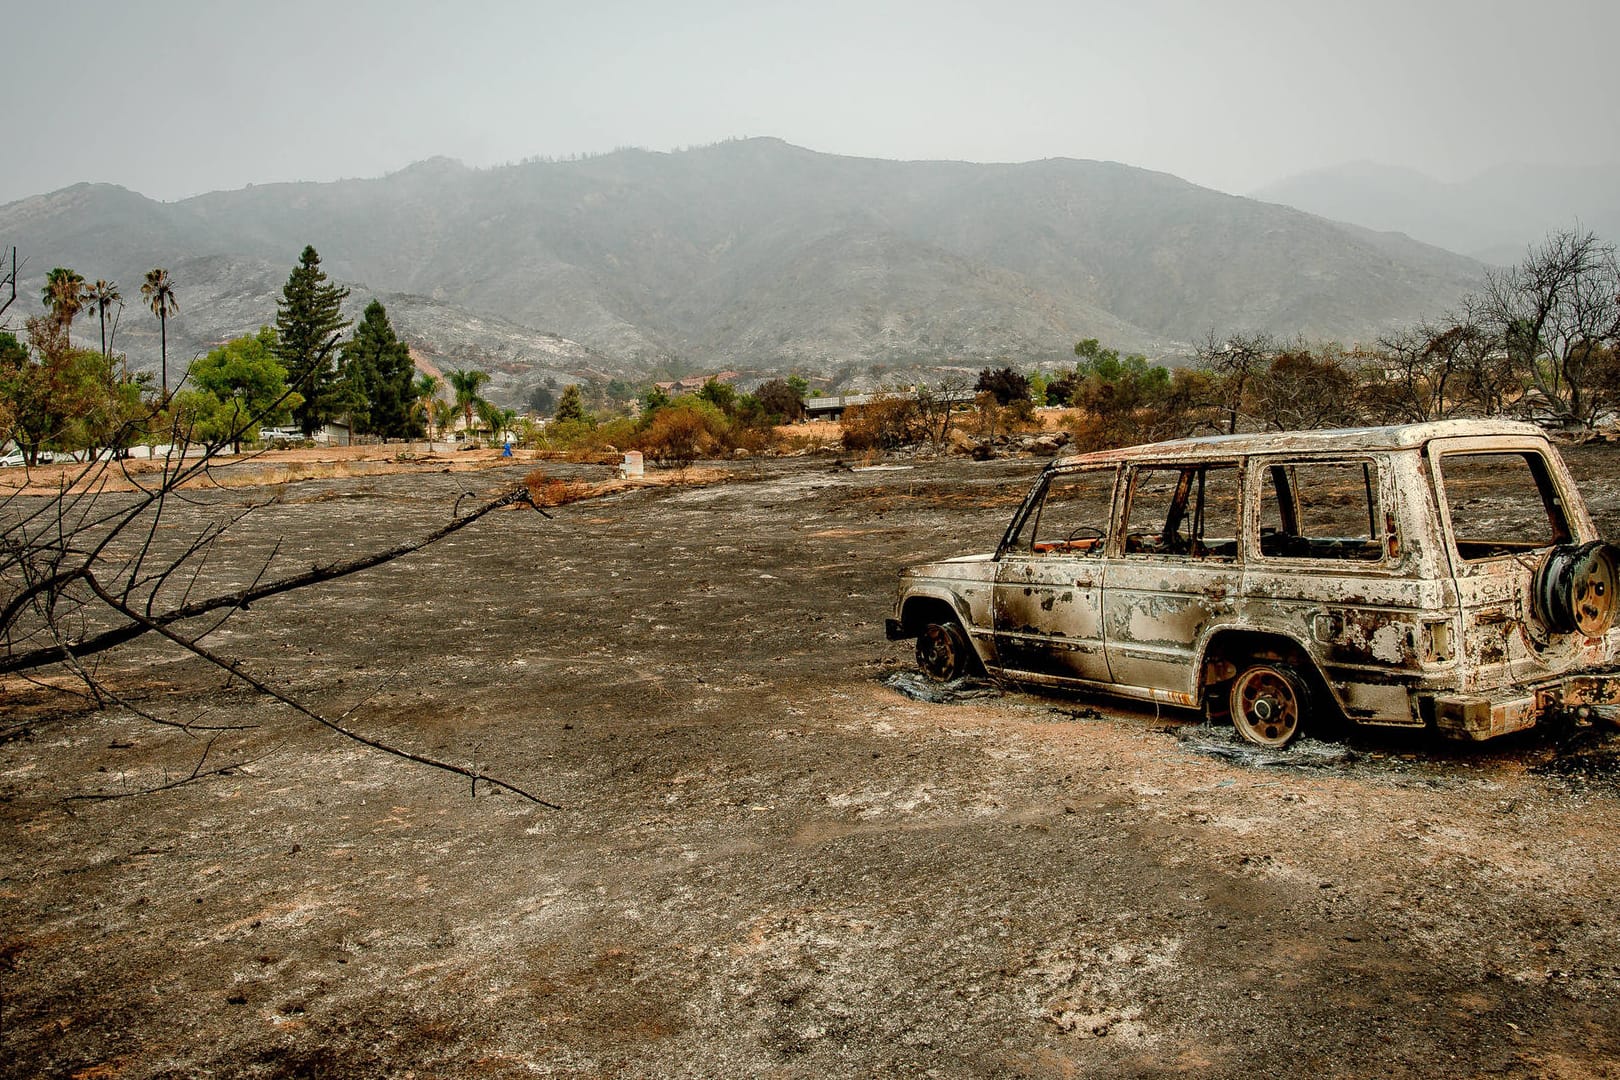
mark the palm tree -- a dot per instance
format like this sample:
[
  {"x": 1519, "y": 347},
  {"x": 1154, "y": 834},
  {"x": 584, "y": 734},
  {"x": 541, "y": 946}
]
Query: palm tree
[
  {"x": 159, "y": 292},
  {"x": 497, "y": 419},
  {"x": 426, "y": 389},
  {"x": 466, "y": 384},
  {"x": 64, "y": 294},
  {"x": 444, "y": 413},
  {"x": 101, "y": 296}
]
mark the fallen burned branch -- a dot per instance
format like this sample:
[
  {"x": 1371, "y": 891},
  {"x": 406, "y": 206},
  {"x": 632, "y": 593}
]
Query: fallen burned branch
[
  {"x": 132, "y": 628},
  {"x": 197, "y": 773},
  {"x": 73, "y": 595},
  {"x": 235, "y": 668}
]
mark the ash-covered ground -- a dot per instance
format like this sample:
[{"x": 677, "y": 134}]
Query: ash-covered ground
[{"x": 770, "y": 861}]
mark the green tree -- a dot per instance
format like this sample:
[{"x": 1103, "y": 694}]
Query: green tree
[
  {"x": 779, "y": 398},
  {"x": 653, "y": 400},
  {"x": 64, "y": 294},
  {"x": 444, "y": 414},
  {"x": 15, "y": 389},
  {"x": 1006, "y": 384},
  {"x": 721, "y": 395},
  {"x": 1122, "y": 398},
  {"x": 379, "y": 370},
  {"x": 158, "y": 290},
  {"x": 466, "y": 384},
  {"x": 542, "y": 399},
  {"x": 54, "y": 396},
  {"x": 309, "y": 321},
  {"x": 496, "y": 419},
  {"x": 571, "y": 406},
  {"x": 248, "y": 387},
  {"x": 101, "y": 296}
]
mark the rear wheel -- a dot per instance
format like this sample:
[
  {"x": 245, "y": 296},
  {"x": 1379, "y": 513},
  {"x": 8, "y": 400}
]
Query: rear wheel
[
  {"x": 942, "y": 651},
  {"x": 1268, "y": 703}
]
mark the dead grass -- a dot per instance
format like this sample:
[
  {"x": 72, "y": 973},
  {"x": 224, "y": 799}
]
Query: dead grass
[
  {"x": 254, "y": 470},
  {"x": 556, "y": 491}
]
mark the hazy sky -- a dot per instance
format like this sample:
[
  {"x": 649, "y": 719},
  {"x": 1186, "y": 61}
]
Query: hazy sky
[{"x": 180, "y": 97}]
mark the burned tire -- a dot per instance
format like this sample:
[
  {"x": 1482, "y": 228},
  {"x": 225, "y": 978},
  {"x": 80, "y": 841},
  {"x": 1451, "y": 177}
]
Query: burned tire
[
  {"x": 942, "y": 651},
  {"x": 1576, "y": 589},
  {"x": 1269, "y": 702}
]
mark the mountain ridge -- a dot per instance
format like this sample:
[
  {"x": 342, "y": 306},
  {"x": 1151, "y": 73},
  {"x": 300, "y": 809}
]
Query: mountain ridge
[
  {"x": 1493, "y": 216},
  {"x": 757, "y": 254}
]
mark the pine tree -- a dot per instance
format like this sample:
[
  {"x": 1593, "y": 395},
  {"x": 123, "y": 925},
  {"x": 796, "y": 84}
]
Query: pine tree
[
  {"x": 379, "y": 369},
  {"x": 571, "y": 406},
  {"x": 308, "y": 321}
]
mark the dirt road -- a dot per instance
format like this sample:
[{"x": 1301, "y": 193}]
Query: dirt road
[{"x": 770, "y": 861}]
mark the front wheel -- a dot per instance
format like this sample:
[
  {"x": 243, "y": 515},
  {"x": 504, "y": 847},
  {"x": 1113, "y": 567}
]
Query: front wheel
[
  {"x": 1269, "y": 702},
  {"x": 942, "y": 651}
]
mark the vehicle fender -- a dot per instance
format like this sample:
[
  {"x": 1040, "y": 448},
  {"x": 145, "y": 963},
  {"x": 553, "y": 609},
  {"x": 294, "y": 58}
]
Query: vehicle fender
[
  {"x": 1285, "y": 637},
  {"x": 978, "y": 636}
]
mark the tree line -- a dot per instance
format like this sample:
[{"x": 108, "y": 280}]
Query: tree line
[
  {"x": 1538, "y": 341},
  {"x": 301, "y": 371}
]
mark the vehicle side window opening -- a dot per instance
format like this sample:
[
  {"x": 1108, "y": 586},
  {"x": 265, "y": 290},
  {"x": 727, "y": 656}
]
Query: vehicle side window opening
[
  {"x": 1321, "y": 510},
  {"x": 1183, "y": 510},
  {"x": 1502, "y": 503},
  {"x": 1071, "y": 516}
]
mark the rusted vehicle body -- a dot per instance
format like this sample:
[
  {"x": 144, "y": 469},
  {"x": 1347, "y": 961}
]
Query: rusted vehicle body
[{"x": 1444, "y": 575}]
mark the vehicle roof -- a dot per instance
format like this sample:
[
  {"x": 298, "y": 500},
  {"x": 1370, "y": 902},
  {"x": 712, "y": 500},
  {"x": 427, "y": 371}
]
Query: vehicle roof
[{"x": 1327, "y": 440}]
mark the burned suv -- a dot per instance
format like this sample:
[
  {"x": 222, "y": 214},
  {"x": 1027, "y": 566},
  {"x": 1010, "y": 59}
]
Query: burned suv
[{"x": 1443, "y": 574}]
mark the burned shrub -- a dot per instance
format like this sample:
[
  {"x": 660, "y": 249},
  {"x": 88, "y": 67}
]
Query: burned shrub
[
  {"x": 884, "y": 423},
  {"x": 680, "y": 434}
]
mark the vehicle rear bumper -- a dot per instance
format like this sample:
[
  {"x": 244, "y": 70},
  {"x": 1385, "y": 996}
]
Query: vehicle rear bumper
[{"x": 1482, "y": 716}]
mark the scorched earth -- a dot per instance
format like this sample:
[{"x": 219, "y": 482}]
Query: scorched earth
[{"x": 770, "y": 861}]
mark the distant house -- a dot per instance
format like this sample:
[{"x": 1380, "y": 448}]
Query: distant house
[
  {"x": 691, "y": 384},
  {"x": 334, "y": 433},
  {"x": 832, "y": 408}
]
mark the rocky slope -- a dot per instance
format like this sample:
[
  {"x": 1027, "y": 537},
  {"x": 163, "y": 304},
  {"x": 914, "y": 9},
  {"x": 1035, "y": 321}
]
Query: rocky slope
[{"x": 754, "y": 254}]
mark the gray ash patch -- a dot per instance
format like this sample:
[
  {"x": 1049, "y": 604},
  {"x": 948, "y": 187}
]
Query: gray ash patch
[
  {"x": 919, "y": 687},
  {"x": 1223, "y": 742}
]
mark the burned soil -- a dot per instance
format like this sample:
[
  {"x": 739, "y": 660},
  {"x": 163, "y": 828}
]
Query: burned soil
[{"x": 771, "y": 860}]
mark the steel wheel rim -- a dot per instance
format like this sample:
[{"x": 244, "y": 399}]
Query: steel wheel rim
[
  {"x": 1592, "y": 595},
  {"x": 1266, "y": 707},
  {"x": 939, "y": 655}
]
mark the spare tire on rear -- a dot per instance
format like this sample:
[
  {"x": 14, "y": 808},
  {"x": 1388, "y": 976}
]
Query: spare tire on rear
[{"x": 1577, "y": 587}]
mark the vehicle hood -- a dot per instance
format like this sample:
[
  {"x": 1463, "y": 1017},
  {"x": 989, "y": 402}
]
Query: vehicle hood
[{"x": 963, "y": 566}]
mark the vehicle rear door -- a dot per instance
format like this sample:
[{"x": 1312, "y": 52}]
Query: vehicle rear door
[
  {"x": 1503, "y": 506},
  {"x": 1178, "y": 569}
]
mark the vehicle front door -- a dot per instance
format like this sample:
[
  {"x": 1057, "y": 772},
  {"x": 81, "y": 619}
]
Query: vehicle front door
[{"x": 1049, "y": 577}]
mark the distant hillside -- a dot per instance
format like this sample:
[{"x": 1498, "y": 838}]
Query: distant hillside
[
  {"x": 1493, "y": 217},
  {"x": 751, "y": 254}
]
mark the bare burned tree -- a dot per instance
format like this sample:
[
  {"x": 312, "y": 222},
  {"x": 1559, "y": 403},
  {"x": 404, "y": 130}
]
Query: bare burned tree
[
  {"x": 1238, "y": 361},
  {"x": 936, "y": 403},
  {"x": 1556, "y": 313},
  {"x": 1305, "y": 387},
  {"x": 1433, "y": 370},
  {"x": 8, "y": 286},
  {"x": 94, "y": 566}
]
